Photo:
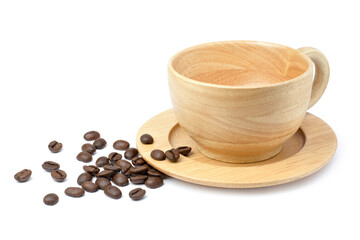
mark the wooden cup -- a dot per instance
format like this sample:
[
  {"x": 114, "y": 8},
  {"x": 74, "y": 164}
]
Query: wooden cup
[{"x": 241, "y": 100}]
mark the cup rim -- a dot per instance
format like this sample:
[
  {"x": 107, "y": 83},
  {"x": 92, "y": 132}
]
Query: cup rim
[{"x": 189, "y": 80}]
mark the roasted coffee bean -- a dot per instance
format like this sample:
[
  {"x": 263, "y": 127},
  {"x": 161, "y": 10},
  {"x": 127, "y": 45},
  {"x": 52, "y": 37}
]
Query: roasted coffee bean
[
  {"x": 89, "y": 186},
  {"x": 146, "y": 139},
  {"x": 138, "y": 161},
  {"x": 184, "y": 150},
  {"x": 55, "y": 146},
  {"x": 112, "y": 167},
  {"x": 140, "y": 169},
  {"x": 51, "y": 199},
  {"x": 23, "y": 175},
  {"x": 138, "y": 179},
  {"x": 125, "y": 165},
  {"x": 129, "y": 172},
  {"x": 150, "y": 167},
  {"x": 84, "y": 157},
  {"x": 173, "y": 155},
  {"x": 154, "y": 182},
  {"x": 93, "y": 170},
  {"x": 74, "y": 192},
  {"x": 137, "y": 193},
  {"x": 91, "y": 136},
  {"x": 106, "y": 174},
  {"x": 157, "y": 154},
  {"x": 120, "y": 179},
  {"x": 114, "y": 156},
  {"x": 155, "y": 173},
  {"x": 102, "y": 161},
  {"x": 50, "y": 166},
  {"x": 121, "y": 145},
  {"x": 89, "y": 148},
  {"x": 58, "y": 175},
  {"x": 113, "y": 192},
  {"x": 99, "y": 143},
  {"x": 131, "y": 153},
  {"x": 102, "y": 183},
  {"x": 84, "y": 177}
]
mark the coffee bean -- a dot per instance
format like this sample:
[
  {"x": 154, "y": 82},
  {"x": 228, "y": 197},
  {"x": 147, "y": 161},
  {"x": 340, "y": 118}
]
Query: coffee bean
[
  {"x": 112, "y": 167},
  {"x": 150, "y": 167},
  {"x": 102, "y": 183},
  {"x": 140, "y": 169},
  {"x": 91, "y": 136},
  {"x": 50, "y": 166},
  {"x": 99, "y": 143},
  {"x": 113, "y": 192},
  {"x": 89, "y": 186},
  {"x": 138, "y": 161},
  {"x": 137, "y": 193},
  {"x": 157, "y": 154},
  {"x": 58, "y": 175},
  {"x": 155, "y": 173},
  {"x": 51, "y": 199},
  {"x": 131, "y": 153},
  {"x": 84, "y": 157},
  {"x": 106, "y": 174},
  {"x": 84, "y": 177},
  {"x": 124, "y": 165},
  {"x": 89, "y": 148},
  {"x": 101, "y": 161},
  {"x": 138, "y": 179},
  {"x": 114, "y": 156},
  {"x": 129, "y": 172},
  {"x": 23, "y": 175},
  {"x": 93, "y": 170},
  {"x": 120, "y": 179},
  {"x": 146, "y": 139},
  {"x": 74, "y": 192},
  {"x": 55, "y": 146},
  {"x": 121, "y": 145},
  {"x": 184, "y": 150},
  {"x": 154, "y": 182},
  {"x": 173, "y": 155}
]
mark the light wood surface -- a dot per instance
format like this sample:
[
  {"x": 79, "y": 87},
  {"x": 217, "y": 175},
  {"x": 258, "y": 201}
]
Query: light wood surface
[
  {"x": 241, "y": 100},
  {"x": 307, "y": 151},
  {"x": 322, "y": 73}
]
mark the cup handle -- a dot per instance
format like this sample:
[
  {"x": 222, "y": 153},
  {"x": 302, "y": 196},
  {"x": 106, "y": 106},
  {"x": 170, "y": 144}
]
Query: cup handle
[{"x": 322, "y": 73}]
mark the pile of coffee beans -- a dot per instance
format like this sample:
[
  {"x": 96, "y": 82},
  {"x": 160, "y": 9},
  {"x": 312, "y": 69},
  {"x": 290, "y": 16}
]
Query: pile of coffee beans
[{"x": 108, "y": 170}]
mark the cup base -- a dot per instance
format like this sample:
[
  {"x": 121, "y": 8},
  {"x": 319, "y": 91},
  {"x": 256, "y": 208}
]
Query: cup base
[{"x": 238, "y": 158}]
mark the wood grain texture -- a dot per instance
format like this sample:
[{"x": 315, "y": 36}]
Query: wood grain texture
[
  {"x": 322, "y": 73},
  {"x": 241, "y": 100},
  {"x": 240, "y": 63},
  {"x": 307, "y": 151}
]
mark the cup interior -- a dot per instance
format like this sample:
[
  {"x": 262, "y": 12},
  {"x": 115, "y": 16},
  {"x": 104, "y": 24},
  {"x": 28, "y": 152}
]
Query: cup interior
[{"x": 240, "y": 63}]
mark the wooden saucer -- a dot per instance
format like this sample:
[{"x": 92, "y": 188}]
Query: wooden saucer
[{"x": 306, "y": 152}]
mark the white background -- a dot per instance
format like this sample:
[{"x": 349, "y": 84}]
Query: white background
[{"x": 67, "y": 67}]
